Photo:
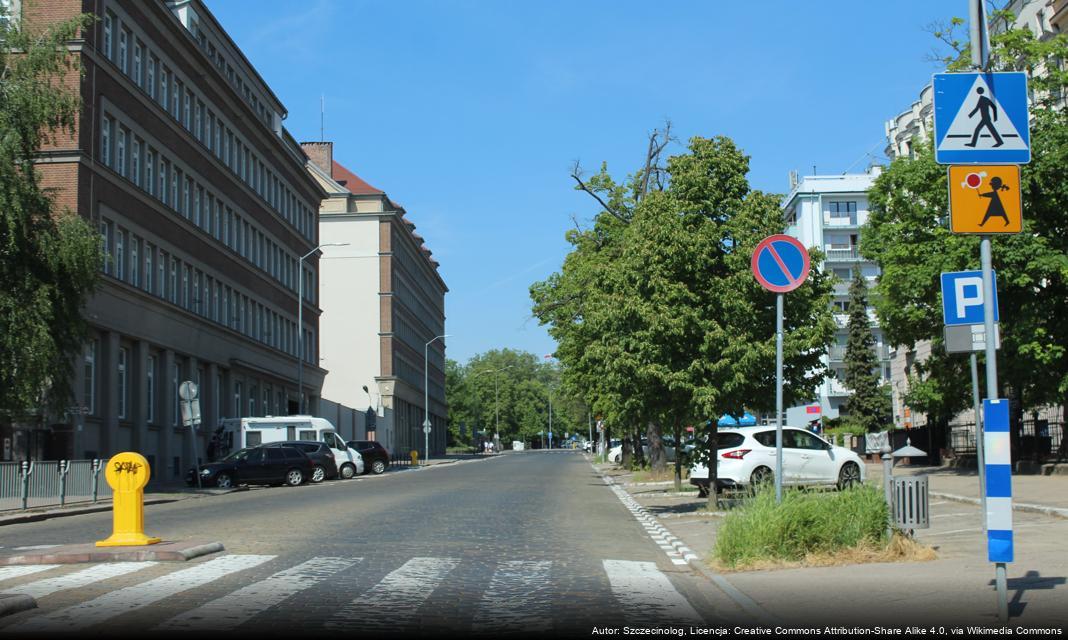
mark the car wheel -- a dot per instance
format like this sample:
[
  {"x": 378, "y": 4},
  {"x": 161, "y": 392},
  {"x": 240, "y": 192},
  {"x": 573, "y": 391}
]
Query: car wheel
[
  {"x": 347, "y": 471},
  {"x": 294, "y": 477},
  {"x": 318, "y": 474},
  {"x": 378, "y": 467},
  {"x": 849, "y": 476},
  {"x": 761, "y": 477},
  {"x": 224, "y": 481}
]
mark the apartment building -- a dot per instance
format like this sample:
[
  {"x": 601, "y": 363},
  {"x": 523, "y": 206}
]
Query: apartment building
[
  {"x": 204, "y": 207},
  {"x": 383, "y": 302},
  {"x": 827, "y": 212}
]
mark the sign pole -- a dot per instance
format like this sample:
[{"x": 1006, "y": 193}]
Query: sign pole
[
  {"x": 778, "y": 398},
  {"x": 979, "y": 435}
]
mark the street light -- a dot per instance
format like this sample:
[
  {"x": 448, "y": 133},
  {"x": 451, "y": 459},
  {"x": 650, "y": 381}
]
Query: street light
[
  {"x": 496, "y": 405},
  {"x": 300, "y": 319},
  {"x": 426, "y": 396}
]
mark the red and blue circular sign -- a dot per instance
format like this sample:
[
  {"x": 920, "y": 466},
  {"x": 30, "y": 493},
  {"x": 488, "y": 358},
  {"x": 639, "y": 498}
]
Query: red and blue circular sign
[{"x": 780, "y": 263}]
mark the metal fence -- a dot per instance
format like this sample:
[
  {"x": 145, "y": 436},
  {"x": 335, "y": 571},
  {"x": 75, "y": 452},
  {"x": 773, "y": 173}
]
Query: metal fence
[
  {"x": 1040, "y": 439},
  {"x": 25, "y": 485}
]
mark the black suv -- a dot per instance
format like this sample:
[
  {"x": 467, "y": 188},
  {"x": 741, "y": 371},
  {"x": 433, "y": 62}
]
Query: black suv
[
  {"x": 255, "y": 465},
  {"x": 322, "y": 457},
  {"x": 375, "y": 456}
]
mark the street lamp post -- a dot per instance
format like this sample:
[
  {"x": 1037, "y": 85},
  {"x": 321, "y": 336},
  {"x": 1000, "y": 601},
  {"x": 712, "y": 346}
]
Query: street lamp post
[
  {"x": 426, "y": 396},
  {"x": 550, "y": 416},
  {"x": 300, "y": 319},
  {"x": 496, "y": 405}
]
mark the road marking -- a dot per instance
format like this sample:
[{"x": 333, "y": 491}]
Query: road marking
[
  {"x": 231, "y": 610},
  {"x": 6, "y": 573},
  {"x": 137, "y": 596},
  {"x": 951, "y": 515},
  {"x": 36, "y": 546},
  {"x": 518, "y": 597},
  {"x": 42, "y": 588},
  {"x": 641, "y": 587},
  {"x": 396, "y": 599}
]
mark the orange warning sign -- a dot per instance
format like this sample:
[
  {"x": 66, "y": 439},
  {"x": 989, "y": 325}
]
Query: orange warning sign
[{"x": 985, "y": 199}]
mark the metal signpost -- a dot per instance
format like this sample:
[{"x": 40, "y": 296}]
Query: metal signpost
[
  {"x": 188, "y": 391},
  {"x": 780, "y": 264},
  {"x": 982, "y": 119}
]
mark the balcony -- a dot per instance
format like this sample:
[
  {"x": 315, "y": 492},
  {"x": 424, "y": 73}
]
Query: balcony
[
  {"x": 844, "y": 222},
  {"x": 843, "y": 255},
  {"x": 841, "y": 320},
  {"x": 837, "y": 353},
  {"x": 836, "y": 388}
]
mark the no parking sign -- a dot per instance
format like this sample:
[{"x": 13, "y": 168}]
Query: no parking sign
[{"x": 780, "y": 263}]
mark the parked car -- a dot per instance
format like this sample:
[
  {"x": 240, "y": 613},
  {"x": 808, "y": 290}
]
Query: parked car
[
  {"x": 375, "y": 456},
  {"x": 255, "y": 465},
  {"x": 746, "y": 458},
  {"x": 237, "y": 433},
  {"x": 322, "y": 457}
]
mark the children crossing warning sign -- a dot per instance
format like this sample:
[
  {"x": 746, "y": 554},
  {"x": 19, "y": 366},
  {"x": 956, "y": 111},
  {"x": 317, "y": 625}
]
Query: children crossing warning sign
[
  {"x": 985, "y": 199},
  {"x": 981, "y": 118}
]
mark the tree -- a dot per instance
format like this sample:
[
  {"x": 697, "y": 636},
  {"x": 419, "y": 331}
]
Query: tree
[
  {"x": 907, "y": 236},
  {"x": 49, "y": 260},
  {"x": 869, "y": 406},
  {"x": 656, "y": 315}
]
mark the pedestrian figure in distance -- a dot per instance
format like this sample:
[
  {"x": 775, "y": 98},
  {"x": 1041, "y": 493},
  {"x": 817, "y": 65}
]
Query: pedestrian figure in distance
[
  {"x": 995, "y": 209},
  {"x": 986, "y": 109}
]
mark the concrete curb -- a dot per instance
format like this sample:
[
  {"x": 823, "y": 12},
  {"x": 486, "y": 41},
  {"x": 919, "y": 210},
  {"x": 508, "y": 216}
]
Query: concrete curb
[
  {"x": 167, "y": 551},
  {"x": 1016, "y": 506},
  {"x": 70, "y": 511},
  {"x": 15, "y": 602}
]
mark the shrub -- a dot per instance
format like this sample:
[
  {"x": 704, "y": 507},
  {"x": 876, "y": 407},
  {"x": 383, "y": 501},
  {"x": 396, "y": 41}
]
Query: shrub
[{"x": 804, "y": 523}]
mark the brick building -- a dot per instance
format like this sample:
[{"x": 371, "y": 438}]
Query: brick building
[{"x": 204, "y": 206}]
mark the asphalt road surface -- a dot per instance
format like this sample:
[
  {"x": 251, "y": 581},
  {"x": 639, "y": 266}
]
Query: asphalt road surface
[{"x": 529, "y": 542}]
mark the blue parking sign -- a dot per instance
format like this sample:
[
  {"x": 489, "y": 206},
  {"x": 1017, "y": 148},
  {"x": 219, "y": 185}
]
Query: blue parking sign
[{"x": 962, "y": 297}]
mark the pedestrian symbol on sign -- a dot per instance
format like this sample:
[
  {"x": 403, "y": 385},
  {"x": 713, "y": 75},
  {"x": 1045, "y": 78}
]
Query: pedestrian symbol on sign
[{"x": 981, "y": 118}]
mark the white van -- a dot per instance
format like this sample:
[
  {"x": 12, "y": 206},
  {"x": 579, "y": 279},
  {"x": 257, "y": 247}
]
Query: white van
[{"x": 238, "y": 433}]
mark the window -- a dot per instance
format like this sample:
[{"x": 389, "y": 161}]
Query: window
[
  {"x": 845, "y": 273},
  {"x": 124, "y": 37},
  {"x": 237, "y": 399},
  {"x": 187, "y": 189},
  {"x": 150, "y": 389},
  {"x": 120, "y": 254},
  {"x": 161, "y": 283},
  {"x": 150, "y": 162},
  {"x": 151, "y": 82},
  {"x": 105, "y": 141},
  {"x": 163, "y": 168},
  {"x": 186, "y": 109},
  {"x": 135, "y": 261},
  {"x": 174, "y": 187},
  {"x": 89, "y": 373},
  {"x": 109, "y": 26},
  {"x": 164, "y": 86},
  {"x": 120, "y": 151},
  {"x": 217, "y": 397},
  {"x": 135, "y": 161},
  {"x": 150, "y": 273},
  {"x": 123, "y": 359},
  {"x": 138, "y": 70},
  {"x": 842, "y": 209},
  {"x": 198, "y": 121},
  {"x": 105, "y": 235},
  {"x": 185, "y": 286},
  {"x": 174, "y": 280},
  {"x": 176, "y": 374},
  {"x": 253, "y": 438},
  {"x": 176, "y": 96},
  {"x": 252, "y": 400}
]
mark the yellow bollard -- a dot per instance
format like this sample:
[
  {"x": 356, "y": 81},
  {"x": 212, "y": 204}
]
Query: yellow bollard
[
  {"x": 127, "y": 473},
  {"x": 415, "y": 458}
]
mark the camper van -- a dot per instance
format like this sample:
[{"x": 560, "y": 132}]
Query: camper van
[{"x": 238, "y": 433}]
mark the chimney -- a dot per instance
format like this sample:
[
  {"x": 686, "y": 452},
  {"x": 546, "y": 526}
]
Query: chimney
[{"x": 320, "y": 153}]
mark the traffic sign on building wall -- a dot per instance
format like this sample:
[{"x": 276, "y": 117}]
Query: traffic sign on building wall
[
  {"x": 981, "y": 118},
  {"x": 985, "y": 199}
]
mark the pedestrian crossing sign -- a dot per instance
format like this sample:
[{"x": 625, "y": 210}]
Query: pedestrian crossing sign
[
  {"x": 985, "y": 199},
  {"x": 981, "y": 118}
]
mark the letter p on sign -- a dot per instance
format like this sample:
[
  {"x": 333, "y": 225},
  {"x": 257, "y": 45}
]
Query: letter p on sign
[{"x": 962, "y": 298}]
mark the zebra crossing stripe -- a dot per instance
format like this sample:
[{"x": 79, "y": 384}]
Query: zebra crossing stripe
[
  {"x": 518, "y": 597},
  {"x": 137, "y": 596},
  {"x": 641, "y": 587},
  {"x": 48, "y": 586},
  {"x": 17, "y": 571},
  {"x": 393, "y": 602},
  {"x": 231, "y": 610}
]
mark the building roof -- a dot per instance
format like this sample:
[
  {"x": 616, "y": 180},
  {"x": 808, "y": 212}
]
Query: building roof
[{"x": 354, "y": 183}]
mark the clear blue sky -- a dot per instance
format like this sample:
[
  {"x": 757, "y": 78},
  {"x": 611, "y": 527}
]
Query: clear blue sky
[{"x": 470, "y": 113}]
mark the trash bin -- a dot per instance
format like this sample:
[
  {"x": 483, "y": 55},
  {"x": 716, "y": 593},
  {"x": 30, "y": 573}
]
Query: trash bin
[{"x": 911, "y": 502}]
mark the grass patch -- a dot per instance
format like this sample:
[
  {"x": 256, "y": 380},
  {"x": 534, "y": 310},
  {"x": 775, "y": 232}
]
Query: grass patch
[
  {"x": 812, "y": 527},
  {"x": 459, "y": 450},
  {"x": 647, "y": 475}
]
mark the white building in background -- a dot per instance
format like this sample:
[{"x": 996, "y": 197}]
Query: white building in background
[{"x": 827, "y": 212}]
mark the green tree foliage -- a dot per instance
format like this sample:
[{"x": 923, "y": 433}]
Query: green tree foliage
[
  {"x": 511, "y": 389},
  {"x": 48, "y": 260},
  {"x": 656, "y": 315},
  {"x": 868, "y": 409},
  {"x": 908, "y": 235}
]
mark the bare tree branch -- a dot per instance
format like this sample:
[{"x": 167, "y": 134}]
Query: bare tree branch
[{"x": 576, "y": 173}]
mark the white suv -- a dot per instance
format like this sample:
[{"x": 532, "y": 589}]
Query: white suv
[{"x": 746, "y": 456}]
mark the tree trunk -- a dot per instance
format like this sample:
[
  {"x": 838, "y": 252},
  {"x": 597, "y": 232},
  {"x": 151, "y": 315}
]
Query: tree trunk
[
  {"x": 713, "y": 457},
  {"x": 627, "y": 452},
  {"x": 677, "y": 432},
  {"x": 636, "y": 447},
  {"x": 657, "y": 459}
]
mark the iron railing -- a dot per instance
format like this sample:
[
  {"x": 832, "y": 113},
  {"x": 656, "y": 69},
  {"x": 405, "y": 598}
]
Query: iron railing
[{"x": 26, "y": 485}]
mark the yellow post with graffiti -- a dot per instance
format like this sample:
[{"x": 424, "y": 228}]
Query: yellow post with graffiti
[{"x": 127, "y": 473}]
